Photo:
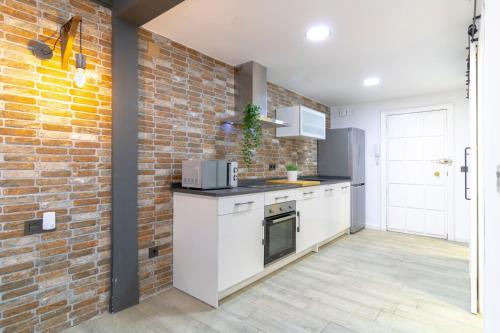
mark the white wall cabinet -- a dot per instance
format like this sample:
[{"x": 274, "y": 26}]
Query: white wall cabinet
[
  {"x": 308, "y": 217},
  {"x": 304, "y": 122}
]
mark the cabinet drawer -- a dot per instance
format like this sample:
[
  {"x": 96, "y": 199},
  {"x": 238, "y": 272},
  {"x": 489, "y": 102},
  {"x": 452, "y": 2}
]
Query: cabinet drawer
[
  {"x": 279, "y": 196},
  {"x": 240, "y": 203},
  {"x": 308, "y": 193},
  {"x": 327, "y": 190}
]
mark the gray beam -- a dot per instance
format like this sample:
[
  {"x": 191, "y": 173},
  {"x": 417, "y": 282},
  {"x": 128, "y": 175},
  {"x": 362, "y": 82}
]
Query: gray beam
[
  {"x": 124, "y": 276},
  {"x": 140, "y": 12}
]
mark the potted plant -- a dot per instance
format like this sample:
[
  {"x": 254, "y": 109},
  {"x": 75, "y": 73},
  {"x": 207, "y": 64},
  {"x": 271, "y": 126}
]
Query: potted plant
[
  {"x": 252, "y": 132},
  {"x": 292, "y": 171}
]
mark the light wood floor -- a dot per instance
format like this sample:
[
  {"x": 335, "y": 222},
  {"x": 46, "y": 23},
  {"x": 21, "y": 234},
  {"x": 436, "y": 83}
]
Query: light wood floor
[{"x": 367, "y": 282}]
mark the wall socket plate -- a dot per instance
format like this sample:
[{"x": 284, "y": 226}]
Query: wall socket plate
[
  {"x": 33, "y": 227},
  {"x": 154, "y": 251},
  {"x": 272, "y": 166}
]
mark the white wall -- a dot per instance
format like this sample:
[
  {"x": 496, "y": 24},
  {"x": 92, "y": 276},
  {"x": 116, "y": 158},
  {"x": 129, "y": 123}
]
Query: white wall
[
  {"x": 489, "y": 141},
  {"x": 367, "y": 117}
]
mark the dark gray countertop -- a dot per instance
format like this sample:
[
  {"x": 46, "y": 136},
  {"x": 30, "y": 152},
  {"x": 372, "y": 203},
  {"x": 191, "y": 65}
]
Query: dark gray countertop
[{"x": 245, "y": 186}]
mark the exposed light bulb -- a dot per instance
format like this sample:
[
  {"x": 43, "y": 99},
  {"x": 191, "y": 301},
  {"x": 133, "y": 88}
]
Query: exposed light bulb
[{"x": 80, "y": 77}]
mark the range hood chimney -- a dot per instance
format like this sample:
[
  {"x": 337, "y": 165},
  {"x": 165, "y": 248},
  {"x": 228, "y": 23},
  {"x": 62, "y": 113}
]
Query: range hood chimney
[{"x": 251, "y": 87}]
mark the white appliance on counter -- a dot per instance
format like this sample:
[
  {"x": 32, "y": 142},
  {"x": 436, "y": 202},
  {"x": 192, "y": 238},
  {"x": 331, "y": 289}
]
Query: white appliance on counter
[
  {"x": 207, "y": 175},
  {"x": 303, "y": 123}
]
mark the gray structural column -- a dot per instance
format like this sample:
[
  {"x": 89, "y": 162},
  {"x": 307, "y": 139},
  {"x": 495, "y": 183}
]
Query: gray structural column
[
  {"x": 128, "y": 16},
  {"x": 124, "y": 251}
]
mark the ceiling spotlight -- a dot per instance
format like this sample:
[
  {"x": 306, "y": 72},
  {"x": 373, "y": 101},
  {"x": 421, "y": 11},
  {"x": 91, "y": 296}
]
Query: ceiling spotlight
[
  {"x": 371, "y": 81},
  {"x": 318, "y": 33}
]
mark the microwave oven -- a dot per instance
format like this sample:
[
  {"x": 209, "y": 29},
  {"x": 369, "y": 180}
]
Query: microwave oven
[{"x": 209, "y": 174}]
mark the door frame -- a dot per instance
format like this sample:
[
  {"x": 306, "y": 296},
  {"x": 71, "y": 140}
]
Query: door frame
[{"x": 450, "y": 145}]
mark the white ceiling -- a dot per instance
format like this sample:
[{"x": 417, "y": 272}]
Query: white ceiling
[{"x": 414, "y": 46}]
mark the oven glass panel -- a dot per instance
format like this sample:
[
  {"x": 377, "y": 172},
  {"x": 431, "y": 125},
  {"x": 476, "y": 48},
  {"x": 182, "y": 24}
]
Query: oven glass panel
[{"x": 280, "y": 239}]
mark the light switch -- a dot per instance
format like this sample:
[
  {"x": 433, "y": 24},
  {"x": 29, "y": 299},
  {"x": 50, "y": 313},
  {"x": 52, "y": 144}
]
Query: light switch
[{"x": 49, "y": 221}]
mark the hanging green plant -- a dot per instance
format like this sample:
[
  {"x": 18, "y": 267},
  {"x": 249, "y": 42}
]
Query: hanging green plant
[{"x": 252, "y": 132}]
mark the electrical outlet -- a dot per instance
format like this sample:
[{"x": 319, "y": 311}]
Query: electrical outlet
[
  {"x": 153, "y": 252},
  {"x": 272, "y": 166},
  {"x": 33, "y": 227}
]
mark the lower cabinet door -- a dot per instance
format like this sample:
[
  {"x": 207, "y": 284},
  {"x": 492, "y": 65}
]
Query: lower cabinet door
[
  {"x": 345, "y": 221},
  {"x": 329, "y": 213},
  {"x": 240, "y": 252},
  {"x": 308, "y": 223}
]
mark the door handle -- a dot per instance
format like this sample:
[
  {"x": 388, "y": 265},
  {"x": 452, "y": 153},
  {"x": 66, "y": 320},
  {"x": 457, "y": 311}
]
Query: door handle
[
  {"x": 445, "y": 161},
  {"x": 465, "y": 170}
]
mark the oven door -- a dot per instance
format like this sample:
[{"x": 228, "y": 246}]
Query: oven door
[{"x": 280, "y": 237}]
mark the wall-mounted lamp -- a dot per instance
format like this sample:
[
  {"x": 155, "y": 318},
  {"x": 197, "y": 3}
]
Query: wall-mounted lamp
[{"x": 67, "y": 35}]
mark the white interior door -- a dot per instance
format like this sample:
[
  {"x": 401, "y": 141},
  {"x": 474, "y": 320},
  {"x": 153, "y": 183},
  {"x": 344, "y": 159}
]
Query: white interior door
[{"x": 417, "y": 186}]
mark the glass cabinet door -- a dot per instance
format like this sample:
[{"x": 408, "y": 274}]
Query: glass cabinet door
[{"x": 312, "y": 123}]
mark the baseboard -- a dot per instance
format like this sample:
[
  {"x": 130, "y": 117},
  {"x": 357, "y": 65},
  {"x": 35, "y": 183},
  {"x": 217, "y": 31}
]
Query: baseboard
[
  {"x": 373, "y": 226},
  {"x": 461, "y": 240}
]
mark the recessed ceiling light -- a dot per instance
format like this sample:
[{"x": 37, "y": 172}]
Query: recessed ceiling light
[
  {"x": 371, "y": 81},
  {"x": 318, "y": 33}
]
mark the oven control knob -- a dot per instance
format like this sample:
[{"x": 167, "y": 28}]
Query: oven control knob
[
  {"x": 281, "y": 209},
  {"x": 290, "y": 207},
  {"x": 270, "y": 211}
]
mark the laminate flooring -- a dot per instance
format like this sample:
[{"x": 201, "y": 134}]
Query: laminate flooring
[{"x": 370, "y": 282}]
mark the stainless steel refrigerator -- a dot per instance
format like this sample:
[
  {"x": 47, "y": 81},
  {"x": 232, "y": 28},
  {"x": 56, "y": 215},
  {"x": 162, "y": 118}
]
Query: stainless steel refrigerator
[{"x": 342, "y": 154}]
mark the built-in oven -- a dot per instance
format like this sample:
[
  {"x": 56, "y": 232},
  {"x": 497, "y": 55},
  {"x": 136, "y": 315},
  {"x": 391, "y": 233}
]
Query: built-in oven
[{"x": 280, "y": 231}]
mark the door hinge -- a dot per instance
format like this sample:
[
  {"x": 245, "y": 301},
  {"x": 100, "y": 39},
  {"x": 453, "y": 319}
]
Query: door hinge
[{"x": 263, "y": 242}]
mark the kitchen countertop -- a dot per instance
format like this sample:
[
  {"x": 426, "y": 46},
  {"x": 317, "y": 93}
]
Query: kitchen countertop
[{"x": 251, "y": 186}]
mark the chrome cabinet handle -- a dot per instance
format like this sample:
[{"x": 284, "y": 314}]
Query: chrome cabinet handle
[
  {"x": 306, "y": 193},
  {"x": 244, "y": 203},
  {"x": 344, "y": 187},
  {"x": 328, "y": 189},
  {"x": 285, "y": 197}
]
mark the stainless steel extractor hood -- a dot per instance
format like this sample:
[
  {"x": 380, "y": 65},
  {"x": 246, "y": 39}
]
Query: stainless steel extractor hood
[{"x": 251, "y": 87}]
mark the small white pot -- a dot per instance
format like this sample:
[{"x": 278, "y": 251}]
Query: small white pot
[{"x": 292, "y": 176}]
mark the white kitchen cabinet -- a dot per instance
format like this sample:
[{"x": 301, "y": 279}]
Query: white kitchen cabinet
[
  {"x": 335, "y": 210},
  {"x": 304, "y": 122},
  {"x": 217, "y": 242},
  {"x": 275, "y": 197},
  {"x": 241, "y": 251},
  {"x": 345, "y": 216},
  {"x": 308, "y": 217}
]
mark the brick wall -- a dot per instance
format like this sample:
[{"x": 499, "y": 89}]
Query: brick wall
[
  {"x": 54, "y": 156},
  {"x": 184, "y": 96},
  {"x": 55, "y": 145}
]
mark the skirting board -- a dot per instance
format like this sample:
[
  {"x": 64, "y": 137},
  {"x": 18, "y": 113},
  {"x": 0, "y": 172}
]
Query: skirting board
[{"x": 373, "y": 227}]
